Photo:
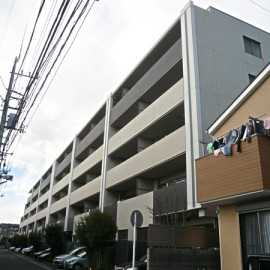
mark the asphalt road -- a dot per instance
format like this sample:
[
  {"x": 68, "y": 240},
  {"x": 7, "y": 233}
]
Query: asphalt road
[{"x": 10, "y": 260}]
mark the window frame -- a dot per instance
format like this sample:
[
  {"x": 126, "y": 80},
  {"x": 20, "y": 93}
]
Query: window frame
[{"x": 252, "y": 47}]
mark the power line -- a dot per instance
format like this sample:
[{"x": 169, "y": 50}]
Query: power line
[
  {"x": 7, "y": 22},
  {"x": 62, "y": 47},
  {"x": 38, "y": 79},
  {"x": 44, "y": 29},
  {"x": 2, "y": 82},
  {"x": 260, "y": 6},
  {"x": 60, "y": 63},
  {"x": 33, "y": 31}
]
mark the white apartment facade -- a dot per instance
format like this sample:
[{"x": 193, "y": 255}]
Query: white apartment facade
[{"x": 149, "y": 132}]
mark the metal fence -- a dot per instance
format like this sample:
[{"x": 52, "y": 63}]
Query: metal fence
[
  {"x": 124, "y": 251},
  {"x": 183, "y": 259}
]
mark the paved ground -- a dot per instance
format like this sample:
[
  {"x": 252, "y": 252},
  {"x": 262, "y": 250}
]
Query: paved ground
[{"x": 10, "y": 260}]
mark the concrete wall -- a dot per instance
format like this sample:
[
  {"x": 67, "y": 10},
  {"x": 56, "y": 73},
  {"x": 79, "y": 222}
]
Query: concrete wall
[{"x": 125, "y": 208}]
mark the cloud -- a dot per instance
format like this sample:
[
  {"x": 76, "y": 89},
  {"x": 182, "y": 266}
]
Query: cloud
[
  {"x": 11, "y": 213},
  {"x": 113, "y": 40}
]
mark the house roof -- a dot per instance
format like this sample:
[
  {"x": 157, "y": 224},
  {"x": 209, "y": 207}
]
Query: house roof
[{"x": 246, "y": 93}]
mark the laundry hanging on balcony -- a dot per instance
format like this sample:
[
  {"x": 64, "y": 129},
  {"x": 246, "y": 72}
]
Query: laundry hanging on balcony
[{"x": 224, "y": 144}]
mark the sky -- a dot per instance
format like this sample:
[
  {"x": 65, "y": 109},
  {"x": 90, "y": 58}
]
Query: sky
[{"x": 115, "y": 36}]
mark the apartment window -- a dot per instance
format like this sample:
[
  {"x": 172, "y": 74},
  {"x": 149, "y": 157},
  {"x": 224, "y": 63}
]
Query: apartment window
[
  {"x": 252, "y": 47},
  {"x": 255, "y": 233}
]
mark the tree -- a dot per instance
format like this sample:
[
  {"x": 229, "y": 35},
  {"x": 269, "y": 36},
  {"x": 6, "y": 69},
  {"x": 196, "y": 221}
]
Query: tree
[
  {"x": 97, "y": 232},
  {"x": 19, "y": 241},
  {"x": 81, "y": 231},
  {"x": 54, "y": 238},
  {"x": 35, "y": 240}
]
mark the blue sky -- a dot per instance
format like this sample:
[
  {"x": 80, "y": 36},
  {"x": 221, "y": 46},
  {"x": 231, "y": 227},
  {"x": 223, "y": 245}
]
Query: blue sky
[{"x": 114, "y": 38}]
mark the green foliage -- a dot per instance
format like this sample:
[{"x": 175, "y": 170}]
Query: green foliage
[
  {"x": 54, "y": 238},
  {"x": 35, "y": 240},
  {"x": 19, "y": 241},
  {"x": 97, "y": 232},
  {"x": 101, "y": 230},
  {"x": 81, "y": 230}
]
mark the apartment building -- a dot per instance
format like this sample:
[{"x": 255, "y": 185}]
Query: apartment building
[
  {"x": 138, "y": 151},
  {"x": 7, "y": 231},
  {"x": 238, "y": 185}
]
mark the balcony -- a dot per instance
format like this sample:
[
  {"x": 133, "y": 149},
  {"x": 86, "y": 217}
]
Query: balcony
[
  {"x": 59, "y": 205},
  {"x": 148, "y": 117},
  {"x": 243, "y": 176},
  {"x": 41, "y": 214},
  {"x": 162, "y": 151},
  {"x": 61, "y": 184},
  {"x": 88, "y": 190},
  {"x": 45, "y": 182},
  {"x": 43, "y": 198},
  {"x": 88, "y": 163},
  {"x": 64, "y": 165}
]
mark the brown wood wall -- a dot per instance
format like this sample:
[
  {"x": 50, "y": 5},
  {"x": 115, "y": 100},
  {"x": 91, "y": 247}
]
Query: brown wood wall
[
  {"x": 219, "y": 177},
  {"x": 264, "y": 152}
]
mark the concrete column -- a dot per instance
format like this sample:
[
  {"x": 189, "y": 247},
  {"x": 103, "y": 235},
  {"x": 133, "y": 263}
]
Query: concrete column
[
  {"x": 68, "y": 225},
  {"x": 50, "y": 194},
  {"x": 191, "y": 101},
  {"x": 107, "y": 131}
]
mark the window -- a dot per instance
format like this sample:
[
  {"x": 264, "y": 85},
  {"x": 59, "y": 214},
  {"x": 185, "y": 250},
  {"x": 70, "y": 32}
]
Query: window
[
  {"x": 255, "y": 233},
  {"x": 252, "y": 47}
]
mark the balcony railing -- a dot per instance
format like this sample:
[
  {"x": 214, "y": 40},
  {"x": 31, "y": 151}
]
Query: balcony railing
[{"x": 239, "y": 177}]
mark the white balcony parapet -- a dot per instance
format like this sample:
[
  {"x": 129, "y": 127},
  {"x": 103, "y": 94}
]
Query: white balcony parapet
[
  {"x": 165, "y": 149},
  {"x": 169, "y": 100}
]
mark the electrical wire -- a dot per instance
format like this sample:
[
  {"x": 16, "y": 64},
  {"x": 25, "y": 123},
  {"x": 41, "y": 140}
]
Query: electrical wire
[
  {"x": 37, "y": 82},
  {"x": 59, "y": 65},
  {"x": 44, "y": 29},
  {"x": 21, "y": 105},
  {"x": 3, "y": 82},
  {"x": 73, "y": 27},
  {"x": 62, "y": 47},
  {"x": 260, "y": 6},
  {"x": 7, "y": 22},
  {"x": 33, "y": 31}
]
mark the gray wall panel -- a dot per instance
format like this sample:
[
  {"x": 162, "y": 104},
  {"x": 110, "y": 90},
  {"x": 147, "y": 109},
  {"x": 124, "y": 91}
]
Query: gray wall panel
[{"x": 223, "y": 64}]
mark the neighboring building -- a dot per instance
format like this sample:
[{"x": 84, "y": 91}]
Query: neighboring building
[
  {"x": 7, "y": 231},
  {"x": 238, "y": 186},
  {"x": 138, "y": 151}
]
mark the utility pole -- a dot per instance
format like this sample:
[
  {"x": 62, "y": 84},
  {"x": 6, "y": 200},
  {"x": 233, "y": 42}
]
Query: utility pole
[
  {"x": 5, "y": 109},
  {"x": 3, "y": 173},
  {"x": 4, "y": 124}
]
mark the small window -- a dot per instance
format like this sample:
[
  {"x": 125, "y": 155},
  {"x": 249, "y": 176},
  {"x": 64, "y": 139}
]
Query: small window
[
  {"x": 252, "y": 47},
  {"x": 251, "y": 78}
]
